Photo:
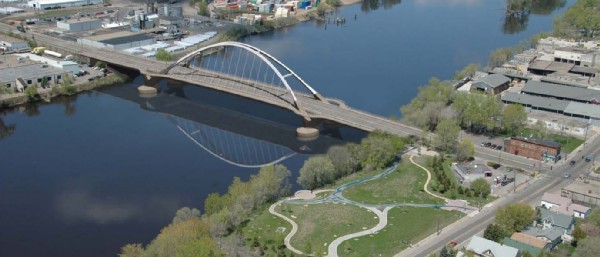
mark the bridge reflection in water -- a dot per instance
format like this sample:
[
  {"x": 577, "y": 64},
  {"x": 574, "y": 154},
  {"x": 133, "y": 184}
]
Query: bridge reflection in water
[{"x": 237, "y": 138}]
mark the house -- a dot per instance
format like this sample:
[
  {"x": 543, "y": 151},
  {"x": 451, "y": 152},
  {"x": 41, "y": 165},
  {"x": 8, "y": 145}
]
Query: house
[
  {"x": 526, "y": 243},
  {"x": 536, "y": 149},
  {"x": 468, "y": 172},
  {"x": 551, "y": 218},
  {"x": 486, "y": 248},
  {"x": 563, "y": 205},
  {"x": 551, "y": 236},
  {"x": 491, "y": 84}
]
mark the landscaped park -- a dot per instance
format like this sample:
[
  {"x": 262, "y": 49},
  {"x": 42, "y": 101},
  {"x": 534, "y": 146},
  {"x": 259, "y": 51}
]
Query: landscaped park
[{"x": 380, "y": 212}]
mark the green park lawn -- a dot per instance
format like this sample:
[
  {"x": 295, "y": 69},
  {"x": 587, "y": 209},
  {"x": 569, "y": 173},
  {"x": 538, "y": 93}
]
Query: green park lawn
[
  {"x": 404, "y": 185},
  {"x": 268, "y": 229},
  {"x": 320, "y": 224},
  {"x": 406, "y": 225}
]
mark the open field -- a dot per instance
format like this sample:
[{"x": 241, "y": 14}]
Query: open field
[
  {"x": 404, "y": 185},
  {"x": 319, "y": 225},
  {"x": 406, "y": 225},
  {"x": 267, "y": 229}
]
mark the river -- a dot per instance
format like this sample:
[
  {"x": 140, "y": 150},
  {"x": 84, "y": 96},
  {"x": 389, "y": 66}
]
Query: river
[{"x": 85, "y": 175}]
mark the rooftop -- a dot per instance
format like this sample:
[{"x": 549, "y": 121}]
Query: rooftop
[
  {"x": 522, "y": 247},
  {"x": 538, "y": 141},
  {"x": 528, "y": 239},
  {"x": 80, "y": 20},
  {"x": 556, "y": 199},
  {"x": 574, "y": 50},
  {"x": 583, "y": 109},
  {"x": 494, "y": 80},
  {"x": 556, "y": 218},
  {"x": 561, "y": 91},
  {"x": 552, "y": 234},
  {"x": 550, "y": 65},
  {"x": 27, "y": 71},
  {"x": 481, "y": 245},
  {"x": 536, "y": 101},
  {"x": 119, "y": 37}
]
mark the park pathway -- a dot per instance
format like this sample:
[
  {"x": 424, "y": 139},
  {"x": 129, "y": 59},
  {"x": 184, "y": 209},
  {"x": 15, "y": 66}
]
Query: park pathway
[
  {"x": 381, "y": 210},
  {"x": 426, "y": 185}
]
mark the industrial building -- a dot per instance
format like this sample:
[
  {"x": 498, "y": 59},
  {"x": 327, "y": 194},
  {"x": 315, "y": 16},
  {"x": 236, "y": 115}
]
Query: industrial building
[
  {"x": 54, "y": 4},
  {"x": 20, "y": 77},
  {"x": 76, "y": 25},
  {"x": 536, "y": 149},
  {"x": 11, "y": 44},
  {"x": 118, "y": 40}
]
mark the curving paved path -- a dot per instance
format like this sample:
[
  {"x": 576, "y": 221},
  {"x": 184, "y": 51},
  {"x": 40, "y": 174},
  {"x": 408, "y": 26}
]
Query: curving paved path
[
  {"x": 337, "y": 197},
  {"x": 289, "y": 236},
  {"x": 425, "y": 186},
  {"x": 382, "y": 215}
]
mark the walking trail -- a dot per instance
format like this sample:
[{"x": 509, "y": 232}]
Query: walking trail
[{"x": 381, "y": 210}]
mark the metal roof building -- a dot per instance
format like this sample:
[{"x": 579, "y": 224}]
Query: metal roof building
[
  {"x": 82, "y": 24},
  {"x": 583, "y": 110},
  {"x": 536, "y": 102},
  {"x": 578, "y": 94},
  {"x": 118, "y": 41}
]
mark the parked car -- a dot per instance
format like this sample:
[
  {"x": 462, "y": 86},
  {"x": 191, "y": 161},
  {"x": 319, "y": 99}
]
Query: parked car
[
  {"x": 566, "y": 175},
  {"x": 588, "y": 159},
  {"x": 483, "y": 143},
  {"x": 493, "y": 146},
  {"x": 488, "y": 144},
  {"x": 572, "y": 162},
  {"x": 499, "y": 147}
]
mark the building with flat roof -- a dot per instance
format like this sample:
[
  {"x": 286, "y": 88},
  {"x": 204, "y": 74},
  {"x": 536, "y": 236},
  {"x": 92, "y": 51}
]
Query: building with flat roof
[
  {"x": 583, "y": 191},
  {"x": 468, "y": 172},
  {"x": 562, "y": 92},
  {"x": 536, "y": 149},
  {"x": 54, "y": 4},
  {"x": 21, "y": 77},
  {"x": 80, "y": 24},
  {"x": 11, "y": 44},
  {"x": 118, "y": 40}
]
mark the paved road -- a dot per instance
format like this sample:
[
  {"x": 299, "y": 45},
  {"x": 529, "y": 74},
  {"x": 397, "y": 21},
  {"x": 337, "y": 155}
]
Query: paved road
[{"x": 467, "y": 227}]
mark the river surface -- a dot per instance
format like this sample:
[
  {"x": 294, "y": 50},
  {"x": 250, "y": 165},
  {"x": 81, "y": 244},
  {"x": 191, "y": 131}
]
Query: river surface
[{"x": 85, "y": 175}]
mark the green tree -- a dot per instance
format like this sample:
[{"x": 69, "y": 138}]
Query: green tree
[
  {"x": 203, "y": 247},
  {"x": 186, "y": 213},
  {"x": 481, "y": 187},
  {"x": 192, "y": 2},
  {"x": 375, "y": 151},
  {"x": 446, "y": 135},
  {"x": 539, "y": 129},
  {"x": 342, "y": 160},
  {"x": 514, "y": 118},
  {"x": 203, "y": 8},
  {"x": 467, "y": 71},
  {"x": 514, "y": 217},
  {"x": 518, "y": 7},
  {"x": 177, "y": 236},
  {"x": 578, "y": 235},
  {"x": 163, "y": 55},
  {"x": 495, "y": 233},
  {"x": 425, "y": 110},
  {"x": 215, "y": 203},
  {"x": 588, "y": 247},
  {"x": 132, "y": 250},
  {"x": 317, "y": 171},
  {"x": 585, "y": 16},
  {"x": 32, "y": 93},
  {"x": 465, "y": 149},
  {"x": 594, "y": 217}
]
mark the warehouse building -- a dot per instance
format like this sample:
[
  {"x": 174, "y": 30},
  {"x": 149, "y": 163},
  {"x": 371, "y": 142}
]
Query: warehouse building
[
  {"x": 118, "y": 40},
  {"x": 577, "y": 94},
  {"x": 55, "y": 4},
  {"x": 76, "y": 25},
  {"x": 11, "y": 44},
  {"x": 20, "y": 77},
  {"x": 536, "y": 149}
]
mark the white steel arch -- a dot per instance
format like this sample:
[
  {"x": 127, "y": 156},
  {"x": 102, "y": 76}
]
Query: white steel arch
[{"x": 264, "y": 56}]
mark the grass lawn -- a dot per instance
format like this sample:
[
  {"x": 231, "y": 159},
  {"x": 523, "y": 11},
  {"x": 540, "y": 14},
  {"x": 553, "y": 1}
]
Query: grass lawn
[
  {"x": 404, "y": 185},
  {"x": 319, "y": 225},
  {"x": 353, "y": 177},
  {"x": 406, "y": 225},
  {"x": 268, "y": 229}
]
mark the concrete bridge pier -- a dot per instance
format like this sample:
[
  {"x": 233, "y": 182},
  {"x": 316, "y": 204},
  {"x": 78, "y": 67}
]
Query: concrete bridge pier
[
  {"x": 309, "y": 131},
  {"x": 150, "y": 87}
]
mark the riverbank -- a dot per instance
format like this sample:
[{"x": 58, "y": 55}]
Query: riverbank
[{"x": 47, "y": 94}]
